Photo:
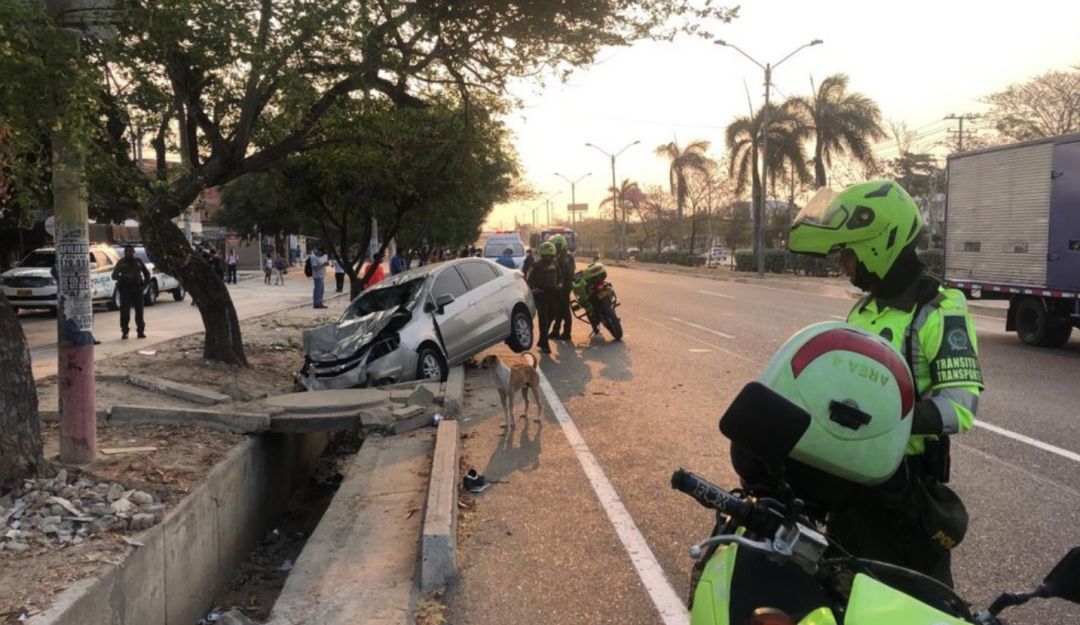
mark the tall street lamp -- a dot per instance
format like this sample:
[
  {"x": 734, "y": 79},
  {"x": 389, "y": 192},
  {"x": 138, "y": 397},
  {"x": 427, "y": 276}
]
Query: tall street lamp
[
  {"x": 759, "y": 228},
  {"x": 573, "y": 196},
  {"x": 619, "y": 234}
]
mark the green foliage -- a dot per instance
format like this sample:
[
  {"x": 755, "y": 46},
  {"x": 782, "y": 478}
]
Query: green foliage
[
  {"x": 919, "y": 174},
  {"x": 783, "y": 261},
  {"x": 686, "y": 259},
  {"x": 682, "y": 163}
]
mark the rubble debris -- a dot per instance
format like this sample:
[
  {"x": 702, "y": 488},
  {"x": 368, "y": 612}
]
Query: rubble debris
[{"x": 66, "y": 510}]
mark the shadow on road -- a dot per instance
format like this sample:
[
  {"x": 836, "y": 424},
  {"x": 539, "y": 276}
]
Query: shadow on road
[
  {"x": 614, "y": 358},
  {"x": 568, "y": 373},
  {"x": 507, "y": 459}
]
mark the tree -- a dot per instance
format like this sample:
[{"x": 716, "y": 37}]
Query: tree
[
  {"x": 241, "y": 95},
  {"x": 260, "y": 204},
  {"x": 843, "y": 123},
  {"x": 629, "y": 196},
  {"x": 1045, "y": 106},
  {"x": 681, "y": 162},
  {"x": 742, "y": 138},
  {"x": 657, "y": 217}
]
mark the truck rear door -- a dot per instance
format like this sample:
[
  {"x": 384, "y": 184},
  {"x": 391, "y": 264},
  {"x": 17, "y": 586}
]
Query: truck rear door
[{"x": 1063, "y": 249}]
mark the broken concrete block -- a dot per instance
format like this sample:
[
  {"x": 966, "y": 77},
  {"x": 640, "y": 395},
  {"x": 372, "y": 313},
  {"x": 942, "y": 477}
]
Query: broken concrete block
[
  {"x": 121, "y": 507},
  {"x": 333, "y": 401},
  {"x": 142, "y": 497},
  {"x": 178, "y": 389},
  {"x": 308, "y": 422},
  {"x": 400, "y": 395},
  {"x": 142, "y": 521},
  {"x": 235, "y": 617},
  {"x": 455, "y": 391},
  {"x": 423, "y": 418},
  {"x": 231, "y": 422},
  {"x": 421, "y": 396},
  {"x": 407, "y": 412}
]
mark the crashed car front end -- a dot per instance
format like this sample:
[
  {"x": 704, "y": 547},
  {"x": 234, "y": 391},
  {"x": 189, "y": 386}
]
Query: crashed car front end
[{"x": 363, "y": 348}]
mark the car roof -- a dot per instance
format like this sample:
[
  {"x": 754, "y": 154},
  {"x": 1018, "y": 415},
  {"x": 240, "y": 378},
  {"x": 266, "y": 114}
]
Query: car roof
[
  {"x": 427, "y": 270},
  {"x": 503, "y": 237}
]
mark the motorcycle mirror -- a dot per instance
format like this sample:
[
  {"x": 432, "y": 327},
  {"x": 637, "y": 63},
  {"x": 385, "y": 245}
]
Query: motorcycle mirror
[{"x": 1064, "y": 581}]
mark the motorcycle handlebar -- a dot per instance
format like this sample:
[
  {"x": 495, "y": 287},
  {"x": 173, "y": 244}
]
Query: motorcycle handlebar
[{"x": 709, "y": 495}]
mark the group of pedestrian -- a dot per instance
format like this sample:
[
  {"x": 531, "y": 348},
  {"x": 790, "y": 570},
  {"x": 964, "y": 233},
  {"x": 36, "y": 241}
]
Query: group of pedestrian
[
  {"x": 274, "y": 266},
  {"x": 318, "y": 260},
  {"x": 551, "y": 279}
]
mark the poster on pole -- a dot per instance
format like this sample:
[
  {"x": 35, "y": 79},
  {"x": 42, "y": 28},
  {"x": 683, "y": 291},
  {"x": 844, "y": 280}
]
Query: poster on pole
[{"x": 73, "y": 269}]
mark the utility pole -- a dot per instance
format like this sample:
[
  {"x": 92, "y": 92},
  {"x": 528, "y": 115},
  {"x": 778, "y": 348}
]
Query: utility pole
[
  {"x": 960, "y": 133},
  {"x": 573, "y": 196},
  {"x": 620, "y": 236},
  {"x": 759, "y": 217}
]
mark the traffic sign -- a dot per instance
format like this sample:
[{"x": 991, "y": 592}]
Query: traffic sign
[{"x": 577, "y": 208}]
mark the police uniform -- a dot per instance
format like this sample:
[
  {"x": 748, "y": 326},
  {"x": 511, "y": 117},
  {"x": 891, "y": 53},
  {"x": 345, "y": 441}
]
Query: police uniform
[
  {"x": 131, "y": 277},
  {"x": 544, "y": 280},
  {"x": 563, "y": 315}
]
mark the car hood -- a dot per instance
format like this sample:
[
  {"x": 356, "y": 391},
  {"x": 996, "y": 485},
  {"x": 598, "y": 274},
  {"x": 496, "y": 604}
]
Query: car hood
[
  {"x": 345, "y": 338},
  {"x": 42, "y": 272}
]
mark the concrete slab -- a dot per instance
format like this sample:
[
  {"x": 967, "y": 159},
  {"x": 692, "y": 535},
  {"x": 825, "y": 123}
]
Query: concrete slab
[
  {"x": 232, "y": 422},
  {"x": 421, "y": 396},
  {"x": 307, "y": 422},
  {"x": 422, "y": 419},
  {"x": 359, "y": 566},
  {"x": 52, "y": 415},
  {"x": 178, "y": 389},
  {"x": 111, "y": 377},
  {"x": 401, "y": 395},
  {"x": 455, "y": 391},
  {"x": 406, "y": 412},
  {"x": 438, "y": 563},
  {"x": 329, "y": 401}
]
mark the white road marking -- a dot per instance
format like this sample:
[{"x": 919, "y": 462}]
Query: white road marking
[
  {"x": 715, "y": 294},
  {"x": 703, "y": 328},
  {"x": 667, "y": 601},
  {"x": 696, "y": 340},
  {"x": 1064, "y": 453},
  {"x": 699, "y": 351}
]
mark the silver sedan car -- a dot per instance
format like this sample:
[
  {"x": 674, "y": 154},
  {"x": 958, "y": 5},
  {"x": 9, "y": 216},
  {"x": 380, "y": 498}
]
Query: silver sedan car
[{"x": 419, "y": 323}]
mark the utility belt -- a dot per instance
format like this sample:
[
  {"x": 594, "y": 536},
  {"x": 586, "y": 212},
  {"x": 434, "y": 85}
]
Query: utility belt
[{"x": 935, "y": 461}]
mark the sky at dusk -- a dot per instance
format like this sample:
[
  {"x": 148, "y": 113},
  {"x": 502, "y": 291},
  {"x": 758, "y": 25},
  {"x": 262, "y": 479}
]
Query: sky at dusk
[{"x": 920, "y": 60}]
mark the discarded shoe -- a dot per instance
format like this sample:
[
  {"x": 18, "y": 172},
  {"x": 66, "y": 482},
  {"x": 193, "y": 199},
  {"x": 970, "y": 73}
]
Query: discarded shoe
[{"x": 475, "y": 483}]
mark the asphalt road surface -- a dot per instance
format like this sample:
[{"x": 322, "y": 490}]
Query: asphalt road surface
[
  {"x": 570, "y": 550},
  {"x": 167, "y": 319}
]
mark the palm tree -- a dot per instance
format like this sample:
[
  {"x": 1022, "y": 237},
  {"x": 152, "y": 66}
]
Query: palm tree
[
  {"x": 682, "y": 162},
  {"x": 629, "y": 195},
  {"x": 786, "y": 134},
  {"x": 842, "y": 123}
]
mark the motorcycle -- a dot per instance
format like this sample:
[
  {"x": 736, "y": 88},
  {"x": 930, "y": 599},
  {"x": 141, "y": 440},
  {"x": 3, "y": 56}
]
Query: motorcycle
[
  {"x": 768, "y": 564},
  {"x": 595, "y": 300}
]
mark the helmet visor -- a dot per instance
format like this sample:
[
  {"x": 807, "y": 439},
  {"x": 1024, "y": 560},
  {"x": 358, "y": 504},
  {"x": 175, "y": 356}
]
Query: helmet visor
[{"x": 822, "y": 212}]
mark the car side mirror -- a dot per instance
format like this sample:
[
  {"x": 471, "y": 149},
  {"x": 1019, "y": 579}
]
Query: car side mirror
[
  {"x": 442, "y": 301},
  {"x": 1064, "y": 581}
]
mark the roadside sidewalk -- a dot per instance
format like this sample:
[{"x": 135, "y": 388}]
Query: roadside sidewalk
[{"x": 535, "y": 548}]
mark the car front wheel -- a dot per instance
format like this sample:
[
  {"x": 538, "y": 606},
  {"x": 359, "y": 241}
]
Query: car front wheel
[
  {"x": 151, "y": 294},
  {"x": 430, "y": 364},
  {"x": 178, "y": 294},
  {"x": 114, "y": 301},
  {"x": 521, "y": 332}
]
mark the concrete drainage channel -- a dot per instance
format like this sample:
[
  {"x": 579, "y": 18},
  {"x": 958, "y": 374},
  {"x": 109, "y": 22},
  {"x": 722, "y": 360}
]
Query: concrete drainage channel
[{"x": 360, "y": 564}]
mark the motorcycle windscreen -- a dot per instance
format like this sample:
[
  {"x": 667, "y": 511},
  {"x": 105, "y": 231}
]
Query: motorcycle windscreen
[
  {"x": 738, "y": 581},
  {"x": 874, "y": 603}
]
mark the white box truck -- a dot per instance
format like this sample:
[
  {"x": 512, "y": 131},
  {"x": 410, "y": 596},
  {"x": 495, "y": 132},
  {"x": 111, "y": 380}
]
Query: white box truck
[{"x": 1012, "y": 232}]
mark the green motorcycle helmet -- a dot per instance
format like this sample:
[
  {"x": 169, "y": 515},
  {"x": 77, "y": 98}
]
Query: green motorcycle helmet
[
  {"x": 547, "y": 249},
  {"x": 834, "y": 397},
  {"x": 876, "y": 220},
  {"x": 559, "y": 241}
]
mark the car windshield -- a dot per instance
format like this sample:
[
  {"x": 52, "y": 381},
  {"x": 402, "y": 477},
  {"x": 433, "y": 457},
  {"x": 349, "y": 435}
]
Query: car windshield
[
  {"x": 39, "y": 259},
  {"x": 384, "y": 298},
  {"x": 494, "y": 250}
]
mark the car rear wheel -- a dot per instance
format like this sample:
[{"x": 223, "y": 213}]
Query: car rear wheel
[
  {"x": 114, "y": 301},
  {"x": 430, "y": 364},
  {"x": 151, "y": 294},
  {"x": 178, "y": 294},
  {"x": 521, "y": 332}
]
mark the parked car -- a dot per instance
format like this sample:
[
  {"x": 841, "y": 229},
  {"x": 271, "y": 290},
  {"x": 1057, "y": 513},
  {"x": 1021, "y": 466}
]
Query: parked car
[
  {"x": 718, "y": 254},
  {"x": 419, "y": 323},
  {"x": 159, "y": 280},
  {"x": 32, "y": 284},
  {"x": 494, "y": 245}
]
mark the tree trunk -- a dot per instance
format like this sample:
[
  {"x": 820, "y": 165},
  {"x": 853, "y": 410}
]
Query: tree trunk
[
  {"x": 20, "y": 430},
  {"x": 819, "y": 164},
  {"x": 222, "y": 342},
  {"x": 693, "y": 228}
]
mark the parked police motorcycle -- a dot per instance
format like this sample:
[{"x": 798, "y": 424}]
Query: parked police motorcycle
[
  {"x": 595, "y": 300},
  {"x": 769, "y": 561}
]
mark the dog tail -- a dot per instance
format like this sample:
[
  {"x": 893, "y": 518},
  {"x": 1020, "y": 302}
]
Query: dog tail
[{"x": 532, "y": 359}]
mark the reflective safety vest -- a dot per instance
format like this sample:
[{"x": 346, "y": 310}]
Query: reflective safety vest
[{"x": 937, "y": 338}]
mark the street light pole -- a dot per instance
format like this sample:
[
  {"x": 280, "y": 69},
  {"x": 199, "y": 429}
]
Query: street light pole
[
  {"x": 759, "y": 216},
  {"x": 619, "y": 234},
  {"x": 573, "y": 195}
]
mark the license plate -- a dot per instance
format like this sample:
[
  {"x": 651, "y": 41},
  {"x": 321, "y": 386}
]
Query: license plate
[
  {"x": 604, "y": 294},
  {"x": 24, "y": 292}
]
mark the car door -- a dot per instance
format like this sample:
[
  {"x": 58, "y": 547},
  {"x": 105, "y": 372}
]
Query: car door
[
  {"x": 485, "y": 288},
  {"x": 455, "y": 320},
  {"x": 101, "y": 282}
]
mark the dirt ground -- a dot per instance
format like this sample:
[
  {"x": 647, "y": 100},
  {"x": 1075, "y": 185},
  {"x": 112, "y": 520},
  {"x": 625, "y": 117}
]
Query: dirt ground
[{"x": 184, "y": 454}]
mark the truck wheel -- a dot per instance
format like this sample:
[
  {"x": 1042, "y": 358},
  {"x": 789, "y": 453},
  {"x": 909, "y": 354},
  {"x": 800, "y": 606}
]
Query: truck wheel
[{"x": 1037, "y": 326}]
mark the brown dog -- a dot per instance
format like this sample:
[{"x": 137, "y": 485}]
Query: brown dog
[{"x": 509, "y": 380}]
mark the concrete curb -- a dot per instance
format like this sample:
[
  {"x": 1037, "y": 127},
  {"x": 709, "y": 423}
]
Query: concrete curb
[
  {"x": 187, "y": 558},
  {"x": 455, "y": 391},
  {"x": 438, "y": 544},
  {"x": 178, "y": 389},
  {"x": 232, "y": 422}
]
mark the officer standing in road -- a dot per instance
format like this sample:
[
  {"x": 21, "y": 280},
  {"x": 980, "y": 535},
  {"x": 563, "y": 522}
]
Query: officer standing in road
[
  {"x": 913, "y": 520},
  {"x": 131, "y": 277},
  {"x": 544, "y": 282},
  {"x": 567, "y": 267}
]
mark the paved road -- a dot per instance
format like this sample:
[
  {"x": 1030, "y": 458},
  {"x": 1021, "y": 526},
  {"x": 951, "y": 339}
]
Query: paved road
[
  {"x": 651, "y": 403},
  {"x": 165, "y": 320}
]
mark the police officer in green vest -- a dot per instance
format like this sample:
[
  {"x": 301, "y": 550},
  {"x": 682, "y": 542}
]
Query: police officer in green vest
[
  {"x": 913, "y": 520},
  {"x": 544, "y": 281}
]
